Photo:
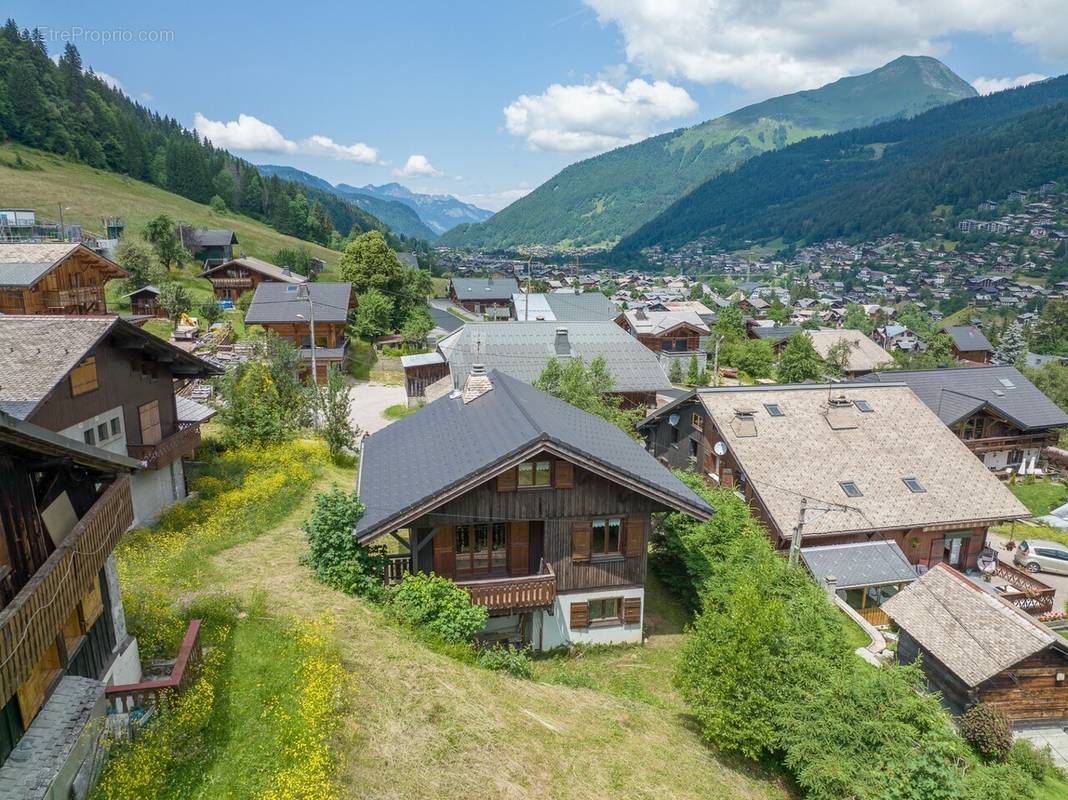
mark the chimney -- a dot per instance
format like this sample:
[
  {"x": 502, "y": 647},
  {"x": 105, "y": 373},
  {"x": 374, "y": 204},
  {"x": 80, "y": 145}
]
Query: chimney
[
  {"x": 640, "y": 314},
  {"x": 562, "y": 345},
  {"x": 477, "y": 384}
]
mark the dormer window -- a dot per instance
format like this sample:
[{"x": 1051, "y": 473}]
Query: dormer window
[
  {"x": 851, "y": 489},
  {"x": 863, "y": 406}
]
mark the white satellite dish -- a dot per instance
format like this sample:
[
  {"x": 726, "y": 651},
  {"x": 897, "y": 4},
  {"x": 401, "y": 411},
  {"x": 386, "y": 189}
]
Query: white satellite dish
[{"x": 719, "y": 449}]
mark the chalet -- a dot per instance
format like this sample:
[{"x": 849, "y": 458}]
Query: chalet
[
  {"x": 969, "y": 344},
  {"x": 996, "y": 411},
  {"x": 976, "y": 648},
  {"x": 563, "y": 307},
  {"x": 211, "y": 246},
  {"x": 106, "y": 383},
  {"x": 897, "y": 337},
  {"x": 862, "y": 356},
  {"x": 145, "y": 302},
  {"x": 54, "y": 278},
  {"x": 671, "y": 334},
  {"x": 873, "y": 454},
  {"x": 483, "y": 295},
  {"x": 540, "y": 510},
  {"x": 754, "y": 305},
  {"x": 234, "y": 277},
  {"x": 523, "y": 349},
  {"x": 289, "y": 310},
  {"x": 775, "y": 335},
  {"x": 63, "y": 634}
]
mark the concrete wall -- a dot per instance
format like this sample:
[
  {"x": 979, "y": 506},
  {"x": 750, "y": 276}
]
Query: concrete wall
[
  {"x": 155, "y": 489},
  {"x": 553, "y": 630}
]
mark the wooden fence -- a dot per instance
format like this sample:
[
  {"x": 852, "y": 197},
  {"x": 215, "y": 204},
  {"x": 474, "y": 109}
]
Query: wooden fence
[{"x": 146, "y": 695}]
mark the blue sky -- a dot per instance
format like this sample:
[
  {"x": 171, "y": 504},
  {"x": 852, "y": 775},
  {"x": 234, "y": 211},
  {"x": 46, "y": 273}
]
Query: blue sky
[{"x": 485, "y": 100}]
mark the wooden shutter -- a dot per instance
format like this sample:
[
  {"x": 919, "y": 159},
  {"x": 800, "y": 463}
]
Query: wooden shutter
[
  {"x": 83, "y": 377},
  {"x": 580, "y": 615},
  {"x": 565, "y": 475},
  {"x": 519, "y": 548},
  {"x": 634, "y": 545},
  {"x": 632, "y": 610},
  {"x": 581, "y": 533},
  {"x": 508, "y": 481},
  {"x": 151, "y": 433},
  {"x": 445, "y": 553}
]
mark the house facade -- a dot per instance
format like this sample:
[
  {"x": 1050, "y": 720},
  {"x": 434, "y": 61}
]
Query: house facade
[
  {"x": 485, "y": 296},
  {"x": 969, "y": 344},
  {"x": 541, "y": 511},
  {"x": 670, "y": 334},
  {"x": 54, "y": 278},
  {"x": 232, "y": 278}
]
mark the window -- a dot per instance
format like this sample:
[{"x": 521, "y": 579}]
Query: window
[
  {"x": 83, "y": 377},
  {"x": 1006, "y": 383},
  {"x": 605, "y": 610},
  {"x": 693, "y": 449},
  {"x": 535, "y": 474},
  {"x": 89, "y": 436},
  {"x": 674, "y": 435},
  {"x": 863, "y": 406},
  {"x": 481, "y": 549},
  {"x": 774, "y": 410},
  {"x": 102, "y": 432},
  {"x": 606, "y": 536},
  {"x": 851, "y": 489},
  {"x": 972, "y": 428},
  {"x": 914, "y": 485},
  {"x": 698, "y": 422},
  {"x": 116, "y": 426}
]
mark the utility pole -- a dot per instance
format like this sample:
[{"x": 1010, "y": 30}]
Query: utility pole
[
  {"x": 304, "y": 292},
  {"x": 526, "y": 301},
  {"x": 62, "y": 229},
  {"x": 795, "y": 543},
  {"x": 715, "y": 362}
]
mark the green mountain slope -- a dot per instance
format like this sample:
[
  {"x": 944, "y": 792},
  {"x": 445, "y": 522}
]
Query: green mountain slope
[
  {"x": 882, "y": 179},
  {"x": 604, "y": 198}
]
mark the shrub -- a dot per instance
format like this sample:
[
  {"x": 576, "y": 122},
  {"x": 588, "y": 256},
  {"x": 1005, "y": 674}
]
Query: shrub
[
  {"x": 1035, "y": 763},
  {"x": 987, "y": 730},
  {"x": 438, "y": 606},
  {"x": 335, "y": 556},
  {"x": 509, "y": 659}
]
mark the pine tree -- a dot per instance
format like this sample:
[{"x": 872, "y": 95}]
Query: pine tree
[
  {"x": 1013, "y": 345},
  {"x": 675, "y": 371}
]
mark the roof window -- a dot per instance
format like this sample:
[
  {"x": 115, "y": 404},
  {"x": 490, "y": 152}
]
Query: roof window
[
  {"x": 774, "y": 410},
  {"x": 914, "y": 485},
  {"x": 851, "y": 489},
  {"x": 863, "y": 406},
  {"x": 1006, "y": 383}
]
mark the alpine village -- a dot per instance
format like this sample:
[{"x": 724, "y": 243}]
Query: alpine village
[{"x": 720, "y": 465}]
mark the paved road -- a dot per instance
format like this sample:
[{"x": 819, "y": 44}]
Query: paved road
[
  {"x": 1058, "y": 582},
  {"x": 369, "y": 400},
  {"x": 444, "y": 304}
]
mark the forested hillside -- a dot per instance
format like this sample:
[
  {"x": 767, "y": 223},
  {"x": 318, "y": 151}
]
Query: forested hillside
[
  {"x": 888, "y": 178},
  {"x": 57, "y": 107},
  {"x": 601, "y": 199}
]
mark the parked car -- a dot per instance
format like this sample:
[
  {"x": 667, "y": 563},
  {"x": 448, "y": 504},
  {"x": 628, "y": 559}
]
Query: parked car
[{"x": 1038, "y": 555}]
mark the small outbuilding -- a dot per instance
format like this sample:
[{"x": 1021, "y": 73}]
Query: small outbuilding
[{"x": 864, "y": 574}]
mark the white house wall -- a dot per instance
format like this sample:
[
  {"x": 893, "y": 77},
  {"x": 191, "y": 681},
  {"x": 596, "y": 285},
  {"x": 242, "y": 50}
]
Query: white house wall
[{"x": 553, "y": 630}]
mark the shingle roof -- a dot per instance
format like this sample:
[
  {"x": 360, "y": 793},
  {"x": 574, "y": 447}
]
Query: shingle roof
[
  {"x": 406, "y": 467},
  {"x": 657, "y": 322},
  {"x": 565, "y": 307},
  {"x": 968, "y": 337},
  {"x": 444, "y": 320},
  {"x": 974, "y": 633},
  {"x": 214, "y": 237},
  {"x": 273, "y": 271},
  {"x": 875, "y": 563},
  {"x": 522, "y": 349},
  {"x": 864, "y": 354},
  {"x": 278, "y": 302},
  {"x": 485, "y": 288},
  {"x": 955, "y": 394},
  {"x": 813, "y": 448},
  {"x": 23, "y": 265}
]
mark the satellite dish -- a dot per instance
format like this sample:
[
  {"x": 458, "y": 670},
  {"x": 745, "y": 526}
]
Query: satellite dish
[{"x": 719, "y": 449}]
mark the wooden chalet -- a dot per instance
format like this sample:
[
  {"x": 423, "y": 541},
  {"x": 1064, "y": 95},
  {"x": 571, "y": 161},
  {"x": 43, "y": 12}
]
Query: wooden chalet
[
  {"x": 976, "y": 648},
  {"x": 145, "y": 302},
  {"x": 484, "y": 295},
  {"x": 873, "y": 454},
  {"x": 287, "y": 309},
  {"x": 969, "y": 344},
  {"x": 231, "y": 279},
  {"x": 666, "y": 331},
  {"x": 105, "y": 383},
  {"x": 210, "y": 245},
  {"x": 54, "y": 278},
  {"x": 540, "y": 510}
]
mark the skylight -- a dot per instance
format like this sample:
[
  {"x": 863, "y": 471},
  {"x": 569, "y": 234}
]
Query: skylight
[
  {"x": 851, "y": 489},
  {"x": 914, "y": 485},
  {"x": 774, "y": 410},
  {"x": 863, "y": 406},
  {"x": 998, "y": 392},
  {"x": 1006, "y": 383}
]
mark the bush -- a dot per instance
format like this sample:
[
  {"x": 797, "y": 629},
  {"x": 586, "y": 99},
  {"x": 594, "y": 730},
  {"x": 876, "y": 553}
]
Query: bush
[
  {"x": 1036, "y": 764},
  {"x": 987, "y": 730},
  {"x": 335, "y": 556},
  {"x": 438, "y": 606},
  {"x": 509, "y": 659}
]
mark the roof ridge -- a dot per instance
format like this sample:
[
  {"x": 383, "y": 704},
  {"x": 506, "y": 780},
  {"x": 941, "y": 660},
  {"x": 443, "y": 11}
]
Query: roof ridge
[{"x": 495, "y": 374}]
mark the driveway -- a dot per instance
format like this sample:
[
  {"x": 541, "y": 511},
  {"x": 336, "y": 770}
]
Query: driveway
[
  {"x": 369, "y": 400},
  {"x": 1057, "y": 582},
  {"x": 445, "y": 304},
  {"x": 1051, "y": 735}
]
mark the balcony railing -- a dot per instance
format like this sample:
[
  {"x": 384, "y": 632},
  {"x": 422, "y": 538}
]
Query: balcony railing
[
  {"x": 231, "y": 283},
  {"x": 180, "y": 443},
  {"x": 30, "y": 624},
  {"x": 1030, "y": 594},
  {"x": 513, "y": 595},
  {"x": 146, "y": 695},
  {"x": 1022, "y": 442},
  {"x": 72, "y": 298}
]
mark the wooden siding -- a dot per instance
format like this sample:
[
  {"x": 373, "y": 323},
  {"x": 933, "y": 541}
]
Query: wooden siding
[
  {"x": 939, "y": 677},
  {"x": 1030, "y": 690},
  {"x": 76, "y": 286}
]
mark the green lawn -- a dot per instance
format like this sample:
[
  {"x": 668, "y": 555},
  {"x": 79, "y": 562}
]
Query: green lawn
[
  {"x": 398, "y": 411},
  {"x": 1040, "y": 496}
]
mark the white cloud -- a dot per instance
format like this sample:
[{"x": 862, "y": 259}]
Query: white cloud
[
  {"x": 418, "y": 166},
  {"x": 785, "y": 45},
  {"x": 596, "y": 116},
  {"x": 495, "y": 201},
  {"x": 991, "y": 85},
  {"x": 249, "y": 133},
  {"x": 147, "y": 97},
  {"x": 111, "y": 81}
]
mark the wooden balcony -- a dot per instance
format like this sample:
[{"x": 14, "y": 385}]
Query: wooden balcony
[
  {"x": 30, "y": 623},
  {"x": 1023, "y": 591},
  {"x": 993, "y": 444},
  {"x": 180, "y": 443},
  {"x": 84, "y": 297},
  {"x": 147, "y": 694},
  {"x": 514, "y": 595},
  {"x": 231, "y": 283}
]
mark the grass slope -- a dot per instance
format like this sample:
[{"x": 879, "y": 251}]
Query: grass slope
[{"x": 86, "y": 195}]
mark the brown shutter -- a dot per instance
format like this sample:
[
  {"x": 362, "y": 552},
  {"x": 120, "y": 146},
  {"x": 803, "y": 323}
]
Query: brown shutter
[
  {"x": 635, "y": 536},
  {"x": 632, "y": 610},
  {"x": 83, "y": 377},
  {"x": 565, "y": 475},
  {"x": 444, "y": 553},
  {"x": 581, "y": 533},
  {"x": 580, "y": 615},
  {"x": 151, "y": 432},
  {"x": 519, "y": 548},
  {"x": 508, "y": 481}
]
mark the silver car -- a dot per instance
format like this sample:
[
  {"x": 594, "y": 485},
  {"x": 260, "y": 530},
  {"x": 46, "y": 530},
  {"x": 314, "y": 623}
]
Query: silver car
[{"x": 1038, "y": 555}]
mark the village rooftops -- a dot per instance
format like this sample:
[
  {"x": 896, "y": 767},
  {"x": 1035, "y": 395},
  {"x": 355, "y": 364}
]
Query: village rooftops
[
  {"x": 465, "y": 438},
  {"x": 968, "y": 338},
  {"x": 872, "y": 452},
  {"x": 864, "y": 354},
  {"x": 956, "y": 394},
  {"x": 272, "y": 271},
  {"x": 281, "y": 303},
  {"x": 23, "y": 265},
  {"x": 480, "y": 289},
  {"x": 564, "y": 307},
  {"x": 657, "y": 323},
  {"x": 973, "y": 632}
]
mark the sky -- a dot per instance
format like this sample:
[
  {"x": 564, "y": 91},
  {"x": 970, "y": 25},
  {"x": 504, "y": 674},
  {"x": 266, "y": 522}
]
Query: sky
[{"x": 486, "y": 100}]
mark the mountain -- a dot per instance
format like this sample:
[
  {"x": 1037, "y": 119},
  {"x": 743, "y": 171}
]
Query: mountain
[
  {"x": 601, "y": 199},
  {"x": 400, "y": 218},
  {"x": 888, "y": 178},
  {"x": 442, "y": 212}
]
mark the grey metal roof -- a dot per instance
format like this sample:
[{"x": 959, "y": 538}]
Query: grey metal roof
[
  {"x": 859, "y": 564},
  {"x": 566, "y": 307},
  {"x": 214, "y": 237},
  {"x": 284, "y": 274},
  {"x": 955, "y": 394},
  {"x": 485, "y": 288},
  {"x": 444, "y": 320},
  {"x": 775, "y": 333},
  {"x": 279, "y": 302},
  {"x": 968, "y": 337},
  {"x": 422, "y": 360},
  {"x": 522, "y": 349},
  {"x": 192, "y": 411},
  {"x": 406, "y": 466}
]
